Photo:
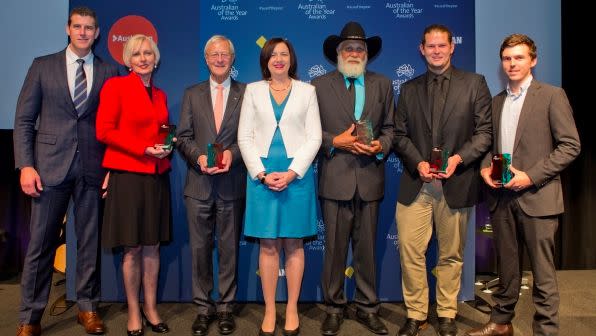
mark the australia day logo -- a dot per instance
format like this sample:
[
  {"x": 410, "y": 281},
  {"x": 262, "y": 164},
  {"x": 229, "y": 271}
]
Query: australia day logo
[
  {"x": 319, "y": 243},
  {"x": 233, "y": 72},
  {"x": 316, "y": 71},
  {"x": 404, "y": 73}
]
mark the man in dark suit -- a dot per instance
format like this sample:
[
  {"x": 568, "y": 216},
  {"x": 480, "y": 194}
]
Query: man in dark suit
[
  {"x": 352, "y": 171},
  {"x": 532, "y": 122},
  {"x": 447, "y": 111},
  {"x": 59, "y": 159},
  {"x": 214, "y": 196}
]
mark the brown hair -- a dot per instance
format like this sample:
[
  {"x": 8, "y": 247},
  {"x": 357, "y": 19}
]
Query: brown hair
[
  {"x": 83, "y": 11},
  {"x": 266, "y": 52},
  {"x": 436, "y": 27},
  {"x": 517, "y": 39}
]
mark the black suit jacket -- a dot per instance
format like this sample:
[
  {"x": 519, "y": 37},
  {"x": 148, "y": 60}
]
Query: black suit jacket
[
  {"x": 546, "y": 142},
  {"x": 341, "y": 173},
  {"x": 196, "y": 129},
  {"x": 465, "y": 129},
  {"x": 51, "y": 146}
]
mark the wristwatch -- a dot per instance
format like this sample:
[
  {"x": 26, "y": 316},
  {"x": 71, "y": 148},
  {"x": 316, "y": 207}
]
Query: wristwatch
[{"x": 262, "y": 179}]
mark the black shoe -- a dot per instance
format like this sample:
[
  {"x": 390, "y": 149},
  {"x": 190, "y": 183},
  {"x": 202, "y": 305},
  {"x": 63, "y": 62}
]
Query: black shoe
[
  {"x": 161, "y": 327},
  {"x": 294, "y": 332},
  {"x": 266, "y": 333},
  {"x": 200, "y": 326},
  {"x": 138, "y": 332},
  {"x": 332, "y": 323},
  {"x": 372, "y": 322},
  {"x": 226, "y": 323},
  {"x": 447, "y": 327},
  {"x": 412, "y": 327}
]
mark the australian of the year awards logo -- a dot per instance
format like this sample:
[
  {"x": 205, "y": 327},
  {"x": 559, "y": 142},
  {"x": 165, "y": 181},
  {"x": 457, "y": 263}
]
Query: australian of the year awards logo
[
  {"x": 404, "y": 9},
  {"x": 228, "y": 10},
  {"x": 316, "y": 9},
  {"x": 319, "y": 243},
  {"x": 404, "y": 73}
]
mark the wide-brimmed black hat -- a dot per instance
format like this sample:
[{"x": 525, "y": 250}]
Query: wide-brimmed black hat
[{"x": 351, "y": 31}]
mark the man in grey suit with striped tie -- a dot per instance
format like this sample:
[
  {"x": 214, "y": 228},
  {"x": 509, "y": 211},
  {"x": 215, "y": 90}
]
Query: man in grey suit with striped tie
[{"x": 60, "y": 159}]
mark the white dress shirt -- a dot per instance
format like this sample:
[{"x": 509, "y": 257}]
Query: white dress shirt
[{"x": 71, "y": 70}]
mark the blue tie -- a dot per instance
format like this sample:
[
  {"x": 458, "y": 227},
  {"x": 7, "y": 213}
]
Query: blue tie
[{"x": 80, "y": 91}]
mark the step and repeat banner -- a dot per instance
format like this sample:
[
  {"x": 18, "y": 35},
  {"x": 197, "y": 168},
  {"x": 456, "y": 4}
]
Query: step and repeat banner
[{"x": 181, "y": 29}]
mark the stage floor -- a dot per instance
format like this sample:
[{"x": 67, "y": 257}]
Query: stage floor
[{"x": 577, "y": 313}]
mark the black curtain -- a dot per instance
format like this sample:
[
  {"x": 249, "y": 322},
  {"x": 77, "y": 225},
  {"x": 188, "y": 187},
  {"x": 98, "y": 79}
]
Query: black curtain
[
  {"x": 14, "y": 212},
  {"x": 578, "y": 227}
]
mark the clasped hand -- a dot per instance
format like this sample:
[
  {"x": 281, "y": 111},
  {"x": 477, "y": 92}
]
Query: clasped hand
[
  {"x": 349, "y": 143},
  {"x": 427, "y": 176},
  {"x": 278, "y": 181},
  {"x": 226, "y": 160}
]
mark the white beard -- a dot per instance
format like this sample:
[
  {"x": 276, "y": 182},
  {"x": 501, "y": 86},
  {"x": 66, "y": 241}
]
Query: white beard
[{"x": 351, "y": 69}]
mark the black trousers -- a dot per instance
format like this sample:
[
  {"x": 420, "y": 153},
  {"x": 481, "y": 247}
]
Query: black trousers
[
  {"x": 512, "y": 230},
  {"x": 354, "y": 220}
]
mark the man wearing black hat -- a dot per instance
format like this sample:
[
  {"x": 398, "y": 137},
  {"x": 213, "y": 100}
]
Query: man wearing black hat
[
  {"x": 352, "y": 171},
  {"x": 446, "y": 112}
]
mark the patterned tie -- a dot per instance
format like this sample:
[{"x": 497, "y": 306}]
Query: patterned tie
[
  {"x": 218, "y": 108},
  {"x": 80, "y": 91}
]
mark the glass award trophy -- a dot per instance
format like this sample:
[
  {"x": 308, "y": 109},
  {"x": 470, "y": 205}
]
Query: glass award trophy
[
  {"x": 438, "y": 160},
  {"x": 166, "y": 134},
  {"x": 501, "y": 174},
  {"x": 364, "y": 132},
  {"x": 215, "y": 155}
]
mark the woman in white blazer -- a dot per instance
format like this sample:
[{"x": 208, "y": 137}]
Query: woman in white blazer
[{"x": 279, "y": 135}]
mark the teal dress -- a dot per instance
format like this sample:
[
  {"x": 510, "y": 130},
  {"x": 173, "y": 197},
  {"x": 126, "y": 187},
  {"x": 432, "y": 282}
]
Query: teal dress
[{"x": 291, "y": 213}]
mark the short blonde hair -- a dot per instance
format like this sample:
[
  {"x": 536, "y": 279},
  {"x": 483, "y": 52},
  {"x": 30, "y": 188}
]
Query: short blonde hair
[{"x": 134, "y": 43}]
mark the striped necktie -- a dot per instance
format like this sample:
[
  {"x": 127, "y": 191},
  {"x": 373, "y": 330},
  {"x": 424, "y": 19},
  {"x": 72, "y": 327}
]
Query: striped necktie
[{"x": 80, "y": 91}]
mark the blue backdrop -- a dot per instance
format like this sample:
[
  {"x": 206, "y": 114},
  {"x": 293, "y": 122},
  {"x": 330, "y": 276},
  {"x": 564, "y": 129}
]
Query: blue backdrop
[{"x": 184, "y": 27}]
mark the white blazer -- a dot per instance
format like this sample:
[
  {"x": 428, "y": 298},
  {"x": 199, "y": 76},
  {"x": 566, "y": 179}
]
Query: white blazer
[{"x": 300, "y": 126}]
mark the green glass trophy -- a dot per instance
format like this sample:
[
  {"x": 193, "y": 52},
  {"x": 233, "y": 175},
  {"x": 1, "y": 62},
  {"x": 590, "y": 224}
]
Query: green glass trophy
[
  {"x": 166, "y": 134},
  {"x": 438, "y": 160},
  {"x": 215, "y": 155},
  {"x": 501, "y": 174}
]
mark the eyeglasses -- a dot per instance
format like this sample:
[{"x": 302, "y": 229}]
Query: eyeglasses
[
  {"x": 350, "y": 49},
  {"x": 217, "y": 55}
]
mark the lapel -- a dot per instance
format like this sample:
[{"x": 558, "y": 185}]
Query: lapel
[
  {"x": 496, "y": 115},
  {"x": 370, "y": 95},
  {"x": 98, "y": 76},
  {"x": 205, "y": 96},
  {"x": 62, "y": 80},
  {"x": 264, "y": 101},
  {"x": 455, "y": 88},
  {"x": 423, "y": 99},
  {"x": 526, "y": 110},
  {"x": 338, "y": 85},
  {"x": 232, "y": 103}
]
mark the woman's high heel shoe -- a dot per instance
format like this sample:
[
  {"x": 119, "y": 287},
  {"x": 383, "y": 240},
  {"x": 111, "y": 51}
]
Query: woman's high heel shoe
[
  {"x": 138, "y": 332},
  {"x": 266, "y": 333},
  {"x": 161, "y": 327},
  {"x": 294, "y": 332}
]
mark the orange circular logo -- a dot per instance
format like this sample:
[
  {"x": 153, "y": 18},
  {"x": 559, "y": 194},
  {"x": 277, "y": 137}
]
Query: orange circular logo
[{"x": 124, "y": 29}]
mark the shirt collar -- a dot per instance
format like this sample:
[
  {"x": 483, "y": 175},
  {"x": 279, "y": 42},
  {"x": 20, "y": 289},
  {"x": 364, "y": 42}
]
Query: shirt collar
[
  {"x": 71, "y": 57},
  {"x": 431, "y": 75},
  {"x": 358, "y": 80},
  {"x": 525, "y": 85},
  {"x": 226, "y": 83}
]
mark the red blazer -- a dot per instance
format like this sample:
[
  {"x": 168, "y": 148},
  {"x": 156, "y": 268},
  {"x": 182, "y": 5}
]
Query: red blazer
[{"x": 128, "y": 122}]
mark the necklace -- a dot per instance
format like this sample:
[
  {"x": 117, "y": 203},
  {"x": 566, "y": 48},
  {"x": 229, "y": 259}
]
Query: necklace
[{"x": 282, "y": 89}]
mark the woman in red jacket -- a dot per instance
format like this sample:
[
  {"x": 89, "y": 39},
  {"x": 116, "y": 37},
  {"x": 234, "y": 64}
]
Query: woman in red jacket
[{"x": 137, "y": 208}]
